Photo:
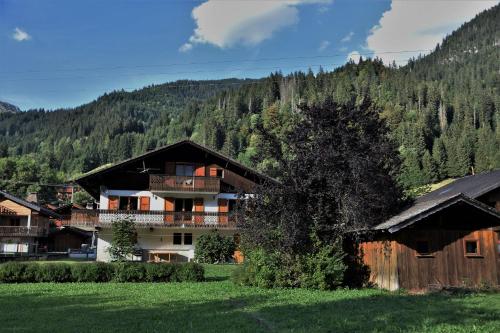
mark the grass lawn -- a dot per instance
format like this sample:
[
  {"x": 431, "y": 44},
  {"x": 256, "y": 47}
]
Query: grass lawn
[{"x": 220, "y": 306}]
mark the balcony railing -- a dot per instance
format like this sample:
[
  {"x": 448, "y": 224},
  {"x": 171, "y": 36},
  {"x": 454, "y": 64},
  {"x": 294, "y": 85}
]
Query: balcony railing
[
  {"x": 22, "y": 231},
  {"x": 104, "y": 218},
  {"x": 164, "y": 183}
]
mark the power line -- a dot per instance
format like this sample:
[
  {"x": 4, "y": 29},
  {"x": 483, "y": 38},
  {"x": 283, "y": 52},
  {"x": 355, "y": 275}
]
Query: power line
[
  {"x": 78, "y": 69},
  {"x": 187, "y": 72}
]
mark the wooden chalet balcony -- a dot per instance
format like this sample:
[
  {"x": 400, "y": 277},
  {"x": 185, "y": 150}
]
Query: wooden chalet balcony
[
  {"x": 22, "y": 231},
  {"x": 176, "y": 184},
  {"x": 145, "y": 219}
]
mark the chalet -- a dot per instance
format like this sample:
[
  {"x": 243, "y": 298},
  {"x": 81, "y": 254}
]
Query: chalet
[
  {"x": 23, "y": 225},
  {"x": 448, "y": 237},
  {"x": 174, "y": 194}
]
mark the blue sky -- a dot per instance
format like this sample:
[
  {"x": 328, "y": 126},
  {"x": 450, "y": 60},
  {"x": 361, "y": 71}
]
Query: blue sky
[{"x": 61, "y": 53}]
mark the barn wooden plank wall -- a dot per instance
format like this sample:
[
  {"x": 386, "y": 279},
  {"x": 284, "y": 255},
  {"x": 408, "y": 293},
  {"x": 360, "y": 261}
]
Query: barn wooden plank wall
[{"x": 381, "y": 258}]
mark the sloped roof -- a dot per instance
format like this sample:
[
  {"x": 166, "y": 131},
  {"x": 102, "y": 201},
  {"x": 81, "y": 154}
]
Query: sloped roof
[
  {"x": 465, "y": 189},
  {"x": 27, "y": 204},
  {"x": 110, "y": 167}
]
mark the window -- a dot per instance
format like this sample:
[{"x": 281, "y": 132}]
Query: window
[
  {"x": 231, "y": 205},
  {"x": 183, "y": 205},
  {"x": 188, "y": 239},
  {"x": 220, "y": 173},
  {"x": 177, "y": 238},
  {"x": 15, "y": 221},
  {"x": 423, "y": 248},
  {"x": 128, "y": 203},
  {"x": 471, "y": 247},
  {"x": 184, "y": 170}
]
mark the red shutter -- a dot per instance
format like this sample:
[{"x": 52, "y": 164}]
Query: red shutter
[
  {"x": 113, "y": 203},
  {"x": 144, "y": 203},
  {"x": 169, "y": 209},
  {"x": 198, "y": 211},
  {"x": 223, "y": 210},
  {"x": 213, "y": 172},
  {"x": 200, "y": 171}
]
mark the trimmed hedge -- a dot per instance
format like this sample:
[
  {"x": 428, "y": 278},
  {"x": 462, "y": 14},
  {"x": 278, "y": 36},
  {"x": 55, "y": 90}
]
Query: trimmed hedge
[{"x": 22, "y": 272}]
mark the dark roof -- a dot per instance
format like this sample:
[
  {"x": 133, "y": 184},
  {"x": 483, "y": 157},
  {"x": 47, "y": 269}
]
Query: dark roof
[
  {"x": 108, "y": 168},
  {"x": 30, "y": 205},
  {"x": 465, "y": 189},
  {"x": 471, "y": 186},
  {"x": 424, "y": 209}
]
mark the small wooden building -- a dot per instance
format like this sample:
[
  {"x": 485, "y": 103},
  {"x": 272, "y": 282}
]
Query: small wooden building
[
  {"x": 449, "y": 237},
  {"x": 23, "y": 226}
]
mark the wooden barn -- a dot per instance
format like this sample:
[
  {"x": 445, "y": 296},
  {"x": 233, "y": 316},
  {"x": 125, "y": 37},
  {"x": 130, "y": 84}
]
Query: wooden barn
[{"x": 449, "y": 237}]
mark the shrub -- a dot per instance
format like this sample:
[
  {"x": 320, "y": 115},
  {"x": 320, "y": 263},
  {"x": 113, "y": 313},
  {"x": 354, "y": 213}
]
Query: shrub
[
  {"x": 12, "y": 272},
  {"x": 53, "y": 273},
  {"x": 17, "y": 272},
  {"x": 160, "y": 272},
  {"x": 129, "y": 272},
  {"x": 321, "y": 270},
  {"x": 92, "y": 272},
  {"x": 213, "y": 248},
  {"x": 190, "y": 272}
]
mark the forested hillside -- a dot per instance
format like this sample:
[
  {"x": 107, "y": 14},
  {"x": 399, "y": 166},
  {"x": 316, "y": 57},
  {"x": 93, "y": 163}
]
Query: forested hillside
[{"x": 442, "y": 109}]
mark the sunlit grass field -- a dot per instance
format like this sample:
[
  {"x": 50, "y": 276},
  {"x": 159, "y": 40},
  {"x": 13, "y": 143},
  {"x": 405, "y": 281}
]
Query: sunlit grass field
[{"x": 220, "y": 306}]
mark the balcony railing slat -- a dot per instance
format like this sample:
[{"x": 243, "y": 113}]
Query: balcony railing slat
[
  {"x": 104, "y": 217},
  {"x": 22, "y": 231},
  {"x": 164, "y": 183}
]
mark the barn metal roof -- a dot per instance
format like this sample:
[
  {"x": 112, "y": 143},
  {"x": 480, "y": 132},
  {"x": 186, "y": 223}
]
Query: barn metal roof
[{"x": 466, "y": 189}]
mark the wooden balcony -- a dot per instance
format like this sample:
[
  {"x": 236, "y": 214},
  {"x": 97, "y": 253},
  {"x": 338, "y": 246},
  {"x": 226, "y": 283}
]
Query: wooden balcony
[
  {"x": 22, "y": 231},
  {"x": 182, "y": 184},
  {"x": 147, "y": 219}
]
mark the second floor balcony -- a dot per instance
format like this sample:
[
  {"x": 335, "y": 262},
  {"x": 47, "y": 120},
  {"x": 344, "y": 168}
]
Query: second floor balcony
[
  {"x": 144, "y": 219},
  {"x": 190, "y": 184},
  {"x": 20, "y": 231}
]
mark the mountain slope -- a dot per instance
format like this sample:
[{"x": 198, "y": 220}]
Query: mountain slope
[
  {"x": 442, "y": 109},
  {"x": 8, "y": 108}
]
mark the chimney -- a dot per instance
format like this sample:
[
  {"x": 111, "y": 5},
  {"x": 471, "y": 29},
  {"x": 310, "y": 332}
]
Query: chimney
[{"x": 32, "y": 197}]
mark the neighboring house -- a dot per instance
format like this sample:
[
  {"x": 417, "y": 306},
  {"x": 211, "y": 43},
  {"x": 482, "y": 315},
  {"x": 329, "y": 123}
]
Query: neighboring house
[
  {"x": 174, "y": 194},
  {"x": 448, "y": 237},
  {"x": 23, "y": 225}
]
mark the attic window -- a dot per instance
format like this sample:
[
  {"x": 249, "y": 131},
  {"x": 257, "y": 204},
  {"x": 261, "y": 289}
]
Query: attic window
[
  {"x": 422, "y": 247},
  {"x": 471, "y": 247}
]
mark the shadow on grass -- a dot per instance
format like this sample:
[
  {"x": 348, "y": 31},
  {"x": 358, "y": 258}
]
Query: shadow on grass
[{"x": 270, "y": 311}]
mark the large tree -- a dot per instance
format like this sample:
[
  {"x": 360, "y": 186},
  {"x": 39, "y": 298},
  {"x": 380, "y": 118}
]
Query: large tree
[{"x": 337, "y": 175}]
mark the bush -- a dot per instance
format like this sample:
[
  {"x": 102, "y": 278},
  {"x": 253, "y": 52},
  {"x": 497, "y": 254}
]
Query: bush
[
  {"x": 53, "y": 273},
  {"x": 129, "y": 272},
  {"x": 161, "y": 272},
  {"x": 190, "y": 272},
  {"x": 19, "y": 272},
  {"x": 213, "y": 248},
  {"x": 322, "y": 270},
  {"x": 92, "y": 272}
]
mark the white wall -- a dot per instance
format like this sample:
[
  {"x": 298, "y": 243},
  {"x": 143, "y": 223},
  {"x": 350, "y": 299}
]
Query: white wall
[{"x": 157, "y": 239}]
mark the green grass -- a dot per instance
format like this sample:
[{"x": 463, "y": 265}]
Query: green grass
[{"x": 219, "y": 306}]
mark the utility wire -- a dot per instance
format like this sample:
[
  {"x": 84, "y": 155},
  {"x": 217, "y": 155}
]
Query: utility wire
[{"x": 78, "y": 69}]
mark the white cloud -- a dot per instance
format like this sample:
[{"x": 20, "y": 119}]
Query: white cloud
[
  {"x": 347, "y": 37},
  {"x": 227, "y": 23},
  {"x": 186, "y": 47},
  {"x": 323, "y": 45},
  {"x": 20, "y": 35},
  {"x": 354, "y": 56},
  {"x": 419, "y": 25}
]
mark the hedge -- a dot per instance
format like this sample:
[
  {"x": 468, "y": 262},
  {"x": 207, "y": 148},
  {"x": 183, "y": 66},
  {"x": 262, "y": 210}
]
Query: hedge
[{"x": 22, "y": 272}]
